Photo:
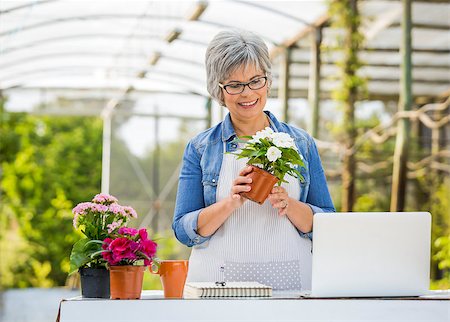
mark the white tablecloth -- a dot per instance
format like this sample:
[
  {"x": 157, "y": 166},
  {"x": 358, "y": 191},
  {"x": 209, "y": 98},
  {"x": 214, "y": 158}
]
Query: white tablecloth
[{"x": 153, "y": 307}]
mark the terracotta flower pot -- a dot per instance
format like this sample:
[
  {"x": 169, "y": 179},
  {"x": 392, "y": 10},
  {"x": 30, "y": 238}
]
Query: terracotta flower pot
[
  {"x": 262, "y": 184},
  {"x": 94, "y": 282},
  {"x": 126, "y": 282}
]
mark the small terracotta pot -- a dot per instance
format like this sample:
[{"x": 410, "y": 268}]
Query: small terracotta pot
[
  {"x": 262, "y": 184},
  {"x": 126, "y": 282}
]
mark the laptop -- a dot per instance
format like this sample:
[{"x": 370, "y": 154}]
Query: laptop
[{"x": 371, "y": 254}]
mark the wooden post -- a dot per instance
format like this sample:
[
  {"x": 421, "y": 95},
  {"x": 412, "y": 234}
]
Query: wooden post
[
  {"x": 314, "y": 81},
  {"x": 348, "y": 162},
  {"x": 405, "y": 101},
  {"x": 283, "y": 92}
]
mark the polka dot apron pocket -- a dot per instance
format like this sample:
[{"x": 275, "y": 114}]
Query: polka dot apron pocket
[{"x": 279, "y": 275}]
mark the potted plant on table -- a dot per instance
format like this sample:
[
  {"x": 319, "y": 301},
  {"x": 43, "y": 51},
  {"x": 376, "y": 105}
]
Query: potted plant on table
[
  {"x": 272, "y": 155},
  {"x": 128, "y": 252},
  {"x": 96, "y": 220}
]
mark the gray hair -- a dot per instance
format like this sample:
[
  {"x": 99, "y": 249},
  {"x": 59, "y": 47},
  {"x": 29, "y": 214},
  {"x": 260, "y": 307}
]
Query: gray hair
[{"x": 228, "y": 51}]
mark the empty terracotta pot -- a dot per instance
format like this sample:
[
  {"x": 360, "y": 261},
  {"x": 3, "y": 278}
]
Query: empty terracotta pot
[{"x": 262, "y": 184}]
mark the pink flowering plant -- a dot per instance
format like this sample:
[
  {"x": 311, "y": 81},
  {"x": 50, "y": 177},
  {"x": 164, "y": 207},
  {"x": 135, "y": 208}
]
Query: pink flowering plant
[
  {"x": 129, "y": 246},
  {"x": 96, "y": 220},
  {"x": 274, "y": 152}
]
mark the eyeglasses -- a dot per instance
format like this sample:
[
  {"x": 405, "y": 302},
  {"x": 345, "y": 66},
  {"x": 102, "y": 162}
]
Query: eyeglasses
[{"x": 238, "y": 88}]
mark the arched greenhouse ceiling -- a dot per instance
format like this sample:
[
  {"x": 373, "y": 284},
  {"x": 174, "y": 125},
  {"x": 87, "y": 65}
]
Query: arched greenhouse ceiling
[{"x": 146, "y": 47}]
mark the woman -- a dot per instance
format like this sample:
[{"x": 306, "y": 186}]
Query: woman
[{"x": 234, "y": 239}]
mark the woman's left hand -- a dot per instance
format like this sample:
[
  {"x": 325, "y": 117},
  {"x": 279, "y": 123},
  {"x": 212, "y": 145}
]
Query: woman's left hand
[{"x": 279, "y": 200}]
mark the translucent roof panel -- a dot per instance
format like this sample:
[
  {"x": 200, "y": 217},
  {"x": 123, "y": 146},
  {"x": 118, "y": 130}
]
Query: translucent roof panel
[
  {"x": 39, "y": 36},
  {"x": 151, "y": 46}
]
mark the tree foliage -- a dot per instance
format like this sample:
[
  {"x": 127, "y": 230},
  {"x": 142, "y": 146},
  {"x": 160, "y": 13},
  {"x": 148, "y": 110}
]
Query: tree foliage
[{"x": 48, "y": 164}]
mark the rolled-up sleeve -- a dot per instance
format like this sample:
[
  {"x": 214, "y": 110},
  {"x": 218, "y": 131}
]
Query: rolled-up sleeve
[{"x": 190, "y": 200}]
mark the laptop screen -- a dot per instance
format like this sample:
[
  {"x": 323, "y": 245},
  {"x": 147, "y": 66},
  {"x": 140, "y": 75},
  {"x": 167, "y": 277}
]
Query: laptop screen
[{"x": 371, "y": 254}]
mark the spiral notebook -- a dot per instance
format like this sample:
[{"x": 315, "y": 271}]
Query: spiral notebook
[{"x": 226, "y": 289}]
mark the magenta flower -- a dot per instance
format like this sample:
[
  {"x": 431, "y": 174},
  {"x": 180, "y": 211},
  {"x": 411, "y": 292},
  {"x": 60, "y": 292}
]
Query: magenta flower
[
  {"x": 148, "y": 248},
  {"x": 143, "y": 234},
  {"x": 107, "y": 254},
  {"x": 119, "y": 249},
  {"x": 129, "y": 246}
]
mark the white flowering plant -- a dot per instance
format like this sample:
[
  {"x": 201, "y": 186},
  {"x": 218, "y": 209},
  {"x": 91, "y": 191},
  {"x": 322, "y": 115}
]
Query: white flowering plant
[{"x": 274, "y": 152}]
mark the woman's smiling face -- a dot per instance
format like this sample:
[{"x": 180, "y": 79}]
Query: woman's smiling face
[{"x": 250, "y": 103}]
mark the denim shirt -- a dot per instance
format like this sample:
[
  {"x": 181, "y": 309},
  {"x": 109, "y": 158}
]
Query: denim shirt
[{"x": 202, "y": 161}]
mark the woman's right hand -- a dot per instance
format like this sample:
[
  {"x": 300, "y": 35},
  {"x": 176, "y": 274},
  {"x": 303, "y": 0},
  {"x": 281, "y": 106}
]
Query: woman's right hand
[
  {"x": 240, "y": 184},
  {"x": 212, "y": 217}
]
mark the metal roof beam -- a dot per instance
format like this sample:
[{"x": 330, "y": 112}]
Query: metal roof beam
[
  {"x": 63, "y": 54},
  {"x": 381, "y": 79},
  {"x": 373, "y": 96},
  {"x": 258, "y": 5},
  {"x": 41, "y": 42},
  {"x": 392, "y": 50},
  {"x": 45, "y": 41},
  {"x": 304, "y": 32},
  {"x": 138, "y": 74},
  {"x": 88, "y": 71},
  {"x": 198, "y": 11},
  {"x": 54, "y": 21},
  {"x": 416, "y": 50},
  {"x": 96, "y": 17},
  {"x": 103, "y": 89},
  {"x": 96, "y": 112},
  {"x": 383, "y": 65},
  {"x": 26, "y": 5},
  {"x": 414, "y": 1},
  {"x": 424, "y": 26}
]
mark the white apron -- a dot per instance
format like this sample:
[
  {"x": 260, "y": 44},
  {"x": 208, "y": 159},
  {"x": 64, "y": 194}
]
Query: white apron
[{"x": 254, "y": 243}]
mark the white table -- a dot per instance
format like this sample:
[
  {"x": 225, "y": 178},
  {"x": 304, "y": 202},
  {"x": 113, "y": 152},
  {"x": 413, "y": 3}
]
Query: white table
[{"x": 153, "y": 307}]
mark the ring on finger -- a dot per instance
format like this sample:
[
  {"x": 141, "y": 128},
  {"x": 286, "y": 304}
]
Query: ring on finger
[{"x": 284, "y": 204}]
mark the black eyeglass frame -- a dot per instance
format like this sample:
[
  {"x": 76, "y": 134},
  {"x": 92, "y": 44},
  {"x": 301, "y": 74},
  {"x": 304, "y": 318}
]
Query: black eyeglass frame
[{"x": 244, "y": 84}]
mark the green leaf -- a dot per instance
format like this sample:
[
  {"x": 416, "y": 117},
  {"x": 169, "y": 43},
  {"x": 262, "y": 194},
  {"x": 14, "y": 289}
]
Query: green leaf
[
  {"x": 261, "y": 153},
  {"x": 79, "y": 257},
  {"x": 83, "y": 252}
]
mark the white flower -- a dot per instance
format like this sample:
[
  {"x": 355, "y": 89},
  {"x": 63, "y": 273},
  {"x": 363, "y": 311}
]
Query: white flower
[
  {"x": 267, "y": 132},
  {"x": 273, "y": 153},
  {"x": 263, "y": 134},
  {"x": 282, "y": 140}
]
